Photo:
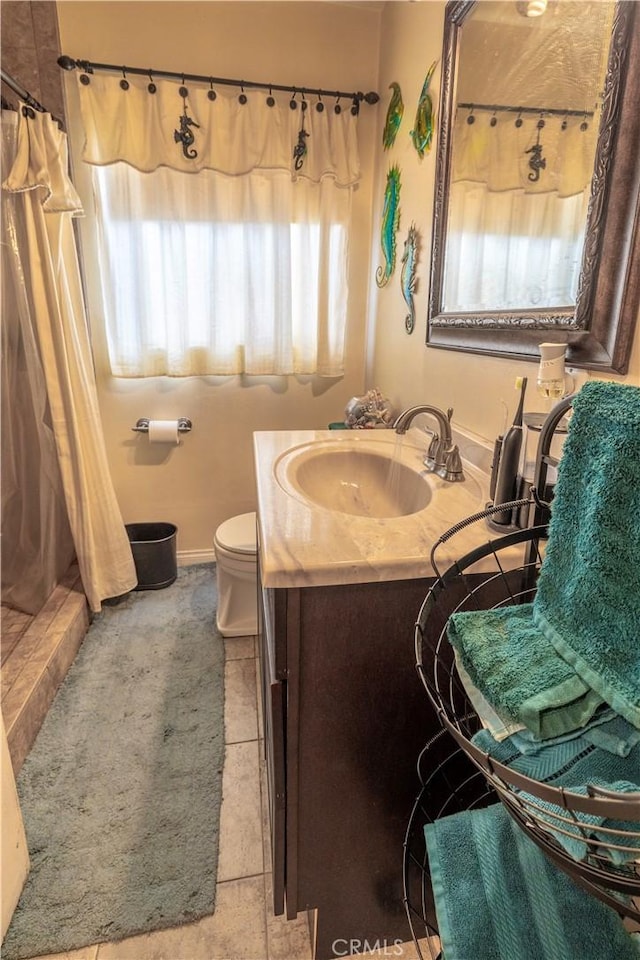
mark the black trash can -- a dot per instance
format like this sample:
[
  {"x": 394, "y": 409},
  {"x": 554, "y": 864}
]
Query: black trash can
[{"x": 154, "y": 554}]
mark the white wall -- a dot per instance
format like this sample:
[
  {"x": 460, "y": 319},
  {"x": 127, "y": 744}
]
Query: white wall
[
  {"x": 402, "y": 366},
  {"x": 210, "y": 476}
]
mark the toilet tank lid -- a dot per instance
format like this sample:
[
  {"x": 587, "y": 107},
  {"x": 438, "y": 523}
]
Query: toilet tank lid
[{"x": 238, "y": 533}]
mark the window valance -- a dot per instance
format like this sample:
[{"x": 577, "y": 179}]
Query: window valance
[{"x": 231, "y": 137}]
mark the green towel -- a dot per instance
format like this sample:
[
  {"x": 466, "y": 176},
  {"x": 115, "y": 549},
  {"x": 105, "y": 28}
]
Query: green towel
[
  {"x": 573, "y": 764},
  {"x": 498, "y": 897},
  {"x": 588, "y": 598},
  {"x": 519, "y": 672}
]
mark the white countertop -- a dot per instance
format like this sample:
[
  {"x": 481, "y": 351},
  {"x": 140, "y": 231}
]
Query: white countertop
[{"x": 306, "y": 545}]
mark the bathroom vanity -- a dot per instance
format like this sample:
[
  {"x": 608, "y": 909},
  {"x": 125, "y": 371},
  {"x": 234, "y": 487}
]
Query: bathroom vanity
[{"x": 345, "y": 714}]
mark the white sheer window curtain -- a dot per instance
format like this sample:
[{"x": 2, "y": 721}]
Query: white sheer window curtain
[{"x": 238, "y": 269}]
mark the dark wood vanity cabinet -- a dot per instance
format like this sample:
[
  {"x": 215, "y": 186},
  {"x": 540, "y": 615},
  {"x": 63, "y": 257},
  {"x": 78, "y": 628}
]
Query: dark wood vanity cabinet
[{"x": 345, "y": 717}]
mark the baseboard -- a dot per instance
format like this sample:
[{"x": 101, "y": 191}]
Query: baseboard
[{"x": 187, "y": 557}]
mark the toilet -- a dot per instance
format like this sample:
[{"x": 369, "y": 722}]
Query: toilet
[{"x": 236, "y": 576}]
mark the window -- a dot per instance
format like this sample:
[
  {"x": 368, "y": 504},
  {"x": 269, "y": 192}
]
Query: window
[{"x": 209, "y": 274}]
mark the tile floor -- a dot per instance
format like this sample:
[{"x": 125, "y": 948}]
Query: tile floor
[{"x": 243, "y": 926}]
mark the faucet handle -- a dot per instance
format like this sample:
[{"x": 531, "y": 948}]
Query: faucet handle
[
  {"x": 452, "y": 470},
  {"x": 433, "y": 454},
  {"x": 434, "y": 446}
]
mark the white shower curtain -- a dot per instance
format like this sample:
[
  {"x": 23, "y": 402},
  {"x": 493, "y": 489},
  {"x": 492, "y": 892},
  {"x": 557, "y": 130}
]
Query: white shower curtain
[{"x": 42, "y": 246}]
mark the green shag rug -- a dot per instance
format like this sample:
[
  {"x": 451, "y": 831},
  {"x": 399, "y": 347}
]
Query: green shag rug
[{"x": 121, "y": 792}]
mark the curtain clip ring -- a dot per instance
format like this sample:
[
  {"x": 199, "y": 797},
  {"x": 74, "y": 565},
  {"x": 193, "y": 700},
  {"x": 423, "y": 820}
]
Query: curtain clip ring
[{"x": 124, "y": 83}]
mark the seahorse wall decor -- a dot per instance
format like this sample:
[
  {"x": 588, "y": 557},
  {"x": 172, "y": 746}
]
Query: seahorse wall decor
[
  {"x": 394, "y": 116},
  {"x": 390, "y": 225},
  {"x": 422, "y": 133},
  {"x": 408, "y": 276}
]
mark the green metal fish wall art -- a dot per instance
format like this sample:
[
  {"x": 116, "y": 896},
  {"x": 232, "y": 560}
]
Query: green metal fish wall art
[
  {"x": 394, "y": 116},
  {"x": 390, "y": 225},
  {"x": 408, "y": 276},
  {"x": 422, "y": 133}
]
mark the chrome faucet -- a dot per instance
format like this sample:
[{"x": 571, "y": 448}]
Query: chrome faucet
[{"x": 441, "y": 458}]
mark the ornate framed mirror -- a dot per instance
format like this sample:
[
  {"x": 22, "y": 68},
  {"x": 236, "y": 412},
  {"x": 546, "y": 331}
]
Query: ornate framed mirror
[{"x": 536, "y": 232}]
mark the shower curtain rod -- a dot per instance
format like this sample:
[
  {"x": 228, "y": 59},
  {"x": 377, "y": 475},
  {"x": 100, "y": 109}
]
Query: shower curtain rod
[
  {"x": 68, "y": 63},
  {"x": 24, "y": 95},
  {"x": 549, "y": 111}
]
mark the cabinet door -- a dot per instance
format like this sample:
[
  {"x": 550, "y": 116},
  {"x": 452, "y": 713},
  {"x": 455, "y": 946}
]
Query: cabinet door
[
  {"x": 276, "y": 781},
  {"x": 273, "y": 701}
]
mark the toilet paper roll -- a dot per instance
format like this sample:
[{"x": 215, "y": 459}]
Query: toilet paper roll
[{"x": 163, "y": 431}]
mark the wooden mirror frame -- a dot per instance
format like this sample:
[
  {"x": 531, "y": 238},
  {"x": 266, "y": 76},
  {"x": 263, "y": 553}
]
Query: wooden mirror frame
[{"x": 599, "y": 331}]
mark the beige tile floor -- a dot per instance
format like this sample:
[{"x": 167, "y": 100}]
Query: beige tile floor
[{"x": 243, "y": 926}]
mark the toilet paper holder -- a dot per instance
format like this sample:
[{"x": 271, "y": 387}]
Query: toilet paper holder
[{"x": 142, "y": 425}]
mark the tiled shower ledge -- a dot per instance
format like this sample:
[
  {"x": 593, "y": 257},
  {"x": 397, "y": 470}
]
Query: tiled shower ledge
[{"x": 37, "y": 664}]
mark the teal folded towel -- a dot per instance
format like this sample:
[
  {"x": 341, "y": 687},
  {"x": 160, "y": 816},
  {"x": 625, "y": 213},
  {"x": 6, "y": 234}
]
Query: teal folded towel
[
  {"x": 497, "y": 897},
  {"x": 519, "y": 672},
  {"x": 573, "y": 764},
  {"x": 619, "y": 848},
  {"x": 588, "y": 598},
  {"x": 569, "y": 763},
  {"x": 606, "y": 729}
]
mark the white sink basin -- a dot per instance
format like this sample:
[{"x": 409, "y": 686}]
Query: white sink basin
[{"x": 357, "y": 477}]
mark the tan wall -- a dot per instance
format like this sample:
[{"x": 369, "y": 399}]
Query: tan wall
[
  {"x": 404, "y": 368},
  {"x": 210, "y": 476}
]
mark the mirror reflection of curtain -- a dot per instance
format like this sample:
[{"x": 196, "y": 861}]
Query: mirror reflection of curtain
[
  {"x": 514, "y": 241},
  {"x": 41, "y": 200},
  {"x": 516, "y": 250}
]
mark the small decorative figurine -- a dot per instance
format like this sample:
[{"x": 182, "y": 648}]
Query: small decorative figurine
[
  {"x": 185, "y": 134},
  {"x": 408, "y": 275},
  {"x": 536, "y": 161},
  {"x": 368, "y": 412},
  {"x": 300, "y": 149},
  {"x": 390, "y": 225},
  {"x": 394, "y": 116},
  {"x": 422, "y": 133}
]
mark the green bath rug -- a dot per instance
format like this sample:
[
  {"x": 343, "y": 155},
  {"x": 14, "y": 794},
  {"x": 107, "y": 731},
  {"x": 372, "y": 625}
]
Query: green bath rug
[{"x": 121, "y": 792}]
